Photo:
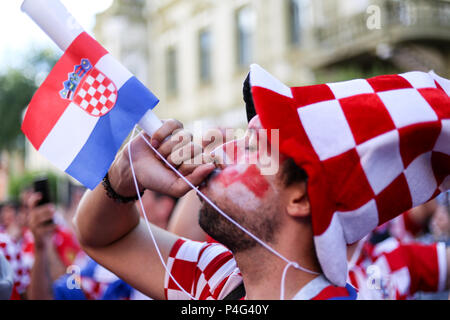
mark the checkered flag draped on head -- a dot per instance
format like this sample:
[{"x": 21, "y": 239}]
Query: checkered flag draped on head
[{"x": 372, "y": 149}]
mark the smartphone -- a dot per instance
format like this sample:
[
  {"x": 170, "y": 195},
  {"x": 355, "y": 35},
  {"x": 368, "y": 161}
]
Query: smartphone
[{"x": 41, "y": 185}]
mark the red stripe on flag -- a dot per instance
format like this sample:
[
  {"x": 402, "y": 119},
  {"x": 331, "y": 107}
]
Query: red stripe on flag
[
  {"x": 47, "y": 106},
  {"x": 86, "y": 46}
]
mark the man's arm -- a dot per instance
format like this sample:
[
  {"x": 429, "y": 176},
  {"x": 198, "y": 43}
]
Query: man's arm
[
  {"x": 113, "y": 234},
  {"x": 44, "y": 265}
]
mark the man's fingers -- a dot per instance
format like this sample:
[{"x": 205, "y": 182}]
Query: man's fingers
[
  {"x": 166, "y": 130},
  {"x": 180, "y": 187},
  {"x": 33, "y": 200},
  {"x": 48, "y": 228},
  {"x": 213, "y": 138},
  {"x": 201, "y": 173},
  {"x": 187, "y": 154},
  {"x": 178, "y": 140},
  {"x": 42, "y": 214},
  {"x": 187, "y": 169}
]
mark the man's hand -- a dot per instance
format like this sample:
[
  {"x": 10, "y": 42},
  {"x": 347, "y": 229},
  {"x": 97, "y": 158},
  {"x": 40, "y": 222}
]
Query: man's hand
[
  {"x": 176, "y": 146},
  {"x": 107, "y": 230},
  {"x": 47, "y": 266},
  {"x": 40, "y": 221}
]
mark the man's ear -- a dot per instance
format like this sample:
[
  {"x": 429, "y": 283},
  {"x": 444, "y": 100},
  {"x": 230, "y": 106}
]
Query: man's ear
[{"x": 297, "y": 201}]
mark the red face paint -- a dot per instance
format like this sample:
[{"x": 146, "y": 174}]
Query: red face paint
[
  {"x": 231, "y": 151},
  {"x": 251, "y": 178}
]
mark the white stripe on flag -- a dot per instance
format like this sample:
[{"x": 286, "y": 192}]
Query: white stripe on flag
[
  {"x": 114, "y": 70},
  {"x": 68, "y": 136}
]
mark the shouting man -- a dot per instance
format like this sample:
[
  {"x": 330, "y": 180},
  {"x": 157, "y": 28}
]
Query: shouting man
[{"x": 344, "y": 155}]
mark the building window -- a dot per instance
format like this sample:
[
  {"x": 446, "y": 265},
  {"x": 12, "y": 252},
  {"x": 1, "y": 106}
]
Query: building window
[
  {"x": 245, "y": 21},
  {"x": 294, "y": 22},
  {"x": 205, "y": 49},
  {"x": 171, "y": 71}
]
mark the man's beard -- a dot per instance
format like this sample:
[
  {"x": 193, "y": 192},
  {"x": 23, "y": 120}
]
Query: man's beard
[{"x": 263, "y": 226}]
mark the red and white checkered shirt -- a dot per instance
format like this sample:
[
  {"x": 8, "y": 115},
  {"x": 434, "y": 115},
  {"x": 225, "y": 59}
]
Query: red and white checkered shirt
[
  {"x": 404, "y": 228},
  {"x": 208, "y": 271},
  {"x": 396, "y": 271},
  {"x": 20, "y": 265},
  {"x": 20, "y": 254}
]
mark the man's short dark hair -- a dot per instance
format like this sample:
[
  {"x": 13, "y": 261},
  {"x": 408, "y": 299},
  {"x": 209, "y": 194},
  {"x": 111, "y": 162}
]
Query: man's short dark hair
[
  {"x": 291, "y": 173},
  {"x": 249, "y": 105}
]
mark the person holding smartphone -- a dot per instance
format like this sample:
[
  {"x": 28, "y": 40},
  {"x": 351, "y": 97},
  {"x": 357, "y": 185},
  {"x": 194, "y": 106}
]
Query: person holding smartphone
[
  {"x": 46, "y": 261},
  {"x": 54, "y": 247}
]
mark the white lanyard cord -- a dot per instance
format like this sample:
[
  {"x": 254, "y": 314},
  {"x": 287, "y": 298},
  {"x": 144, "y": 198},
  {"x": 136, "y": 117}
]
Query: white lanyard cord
[
  {"x": 147, "y": 223},
  {"x": 289, "y": 263}
]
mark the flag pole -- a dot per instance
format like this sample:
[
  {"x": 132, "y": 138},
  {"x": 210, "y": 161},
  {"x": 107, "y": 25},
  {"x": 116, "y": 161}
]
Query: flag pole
[{"x": 54, "y": 19}]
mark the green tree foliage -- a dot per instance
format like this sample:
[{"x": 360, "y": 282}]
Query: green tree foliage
[
  {"x": 16, "y": 91},
  {"x": 17, "y": 87}
]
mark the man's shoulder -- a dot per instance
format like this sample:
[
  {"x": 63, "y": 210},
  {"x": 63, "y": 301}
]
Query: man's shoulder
[
  {"x": 196, "y": 251},
  {"x": 209, "y": 269},
  {"x": 207, "y": 258}
]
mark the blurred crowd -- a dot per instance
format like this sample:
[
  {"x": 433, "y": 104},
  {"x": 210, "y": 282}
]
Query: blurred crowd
[
  {"x": 41, "y": 249},
  {"x": 407, "y": 257},
  {"x": 40, "y": 246}
]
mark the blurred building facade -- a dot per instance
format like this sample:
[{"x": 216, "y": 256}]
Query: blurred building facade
[
  {"x": 196, "y": 53},
  {"x": 122, "y": 29}
]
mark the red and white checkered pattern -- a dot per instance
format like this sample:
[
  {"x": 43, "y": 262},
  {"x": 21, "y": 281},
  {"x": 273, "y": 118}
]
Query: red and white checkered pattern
[
  {"x": 207, "y": 271},
  {"x": 93, "y": 289},
  {"x": 372, "y": 150},
  {"x": 97, "y": 95},
  {"x": 396, "y": 271},
  {"x": 13, "y": 253}
]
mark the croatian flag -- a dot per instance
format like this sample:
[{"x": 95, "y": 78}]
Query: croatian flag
[{"x": 84, "y": 110}]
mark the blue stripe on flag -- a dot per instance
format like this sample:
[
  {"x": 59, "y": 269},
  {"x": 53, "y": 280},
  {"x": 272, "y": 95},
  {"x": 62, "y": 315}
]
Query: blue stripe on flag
[{"x": 93, "y": 161}]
